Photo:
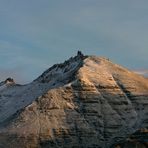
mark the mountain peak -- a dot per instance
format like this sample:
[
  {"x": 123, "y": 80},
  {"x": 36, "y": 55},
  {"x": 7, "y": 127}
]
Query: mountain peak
[
  {"x": 9, "y": 81},
  {"x": 87, "y": 101},
  {"x": 63, "y": 71},
  {"x": 88, "y": 67}
]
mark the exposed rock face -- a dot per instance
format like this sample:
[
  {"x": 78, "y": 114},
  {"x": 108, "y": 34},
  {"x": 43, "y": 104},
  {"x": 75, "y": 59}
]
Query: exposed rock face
[
  {"x": 137, "y": 140},
  {"x": 95, "y": 104}
]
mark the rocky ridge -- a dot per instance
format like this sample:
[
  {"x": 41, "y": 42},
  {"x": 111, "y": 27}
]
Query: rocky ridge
[{"x": 86, "y": 102}]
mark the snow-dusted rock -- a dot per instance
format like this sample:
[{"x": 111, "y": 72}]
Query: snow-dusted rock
[{"x": 85, "y": 102}]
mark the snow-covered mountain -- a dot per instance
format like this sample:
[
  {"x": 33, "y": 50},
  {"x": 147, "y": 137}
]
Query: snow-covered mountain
[
  {"x": 87, "y": 101},
  {"x": 15, "y": 97}
]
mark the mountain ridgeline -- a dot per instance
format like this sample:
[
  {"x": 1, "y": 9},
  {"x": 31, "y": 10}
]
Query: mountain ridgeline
[{"x": 86, "y": 102}]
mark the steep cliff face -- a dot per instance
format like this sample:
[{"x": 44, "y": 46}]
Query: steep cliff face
[{"x": 91, "y": 103}]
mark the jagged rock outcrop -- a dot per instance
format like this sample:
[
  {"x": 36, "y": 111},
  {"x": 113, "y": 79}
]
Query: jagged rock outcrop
[
  {"x": 86, "y": 102},
  {"x": 9, "y": 81}
]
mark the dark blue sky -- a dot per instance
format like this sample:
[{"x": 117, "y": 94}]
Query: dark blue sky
[{"x": 34, "y": 34}]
